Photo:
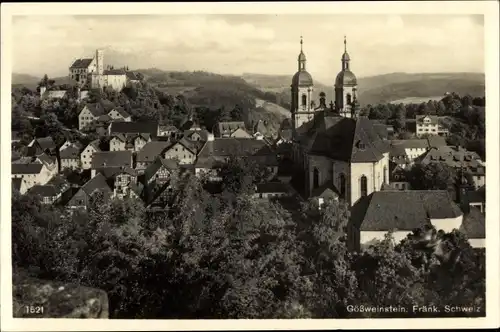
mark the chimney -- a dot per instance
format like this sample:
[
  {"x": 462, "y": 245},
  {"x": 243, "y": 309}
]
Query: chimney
[{"x": 42, "y": 91}]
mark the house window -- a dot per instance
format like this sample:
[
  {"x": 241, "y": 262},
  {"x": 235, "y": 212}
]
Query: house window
[
  {"x": 315, "y": 178},
  {"x": 342, "y": 185},
  {"x": 364, "y": 186},
  {"x": 304, "y": 100}
]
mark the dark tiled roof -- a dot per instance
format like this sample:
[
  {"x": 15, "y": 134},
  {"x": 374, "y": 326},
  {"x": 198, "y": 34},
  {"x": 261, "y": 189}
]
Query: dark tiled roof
[
  {"x": 473, "y": 224},
  {"x": 151, "y": 150},
  {"x": 420, "y": 118},
  {"x": 477, "y": 196},
  {"x": 111, "y": 159},
  {"x": 71, "y": 152},
  {"x": 215, "y": 151},
  {"x": 95, "y": 144},
  {"x": 98, "y": 182},
  {"x": 326, "y": 190},
  {"x": 456, "y": 157},
  {"x": 170, "y": 164},
  {"x": 111, "y": 172},
  {"x": 46, "y": 143},
  {"x": 122, "y": 112},
  {"x": 44, "y": 191},
  {"x": 402, "y": 210},
  {"x": 410, "y": 143},
  {"x": 347, "y": 139},
  {"x": 436, "y": 141},
  {"x": 46, "y": 159},
  {"x": 134, "y": 128},
  {"x": 114, "y": 72},
  {"x": 81, "y": 63},
  {"x": 203, "y": 134},
  {"x": 29, "y": 168},
  {"x": 95, "y": 108},
  {"x": 272, "y": 187},
  {"x": 381, "y": 129},
  {"x": 227, "y": 128}
]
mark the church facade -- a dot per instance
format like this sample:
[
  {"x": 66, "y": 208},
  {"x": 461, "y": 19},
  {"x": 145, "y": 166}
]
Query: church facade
[{"x": 339, "y": 151}]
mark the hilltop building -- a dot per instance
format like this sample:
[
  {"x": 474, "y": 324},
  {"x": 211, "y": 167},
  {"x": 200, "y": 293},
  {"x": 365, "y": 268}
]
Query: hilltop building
[{"x": 90, "y": 72}]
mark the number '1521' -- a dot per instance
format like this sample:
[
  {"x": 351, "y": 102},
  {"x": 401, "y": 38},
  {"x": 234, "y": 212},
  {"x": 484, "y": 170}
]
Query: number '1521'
[{"x": 31, "y": 309}]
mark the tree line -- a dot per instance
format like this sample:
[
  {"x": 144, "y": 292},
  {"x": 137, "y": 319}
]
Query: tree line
[{"x": 227, "y": 254}]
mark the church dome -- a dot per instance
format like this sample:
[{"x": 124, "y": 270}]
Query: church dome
[
  {"x": 346, "y": 77},
  {"x": 346, "y": 57},
  {"x": 302, "y": 78}
]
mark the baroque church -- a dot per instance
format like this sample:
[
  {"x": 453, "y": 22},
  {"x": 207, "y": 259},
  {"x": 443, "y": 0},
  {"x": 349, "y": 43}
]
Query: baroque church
[{"x": 342, "y": 154}]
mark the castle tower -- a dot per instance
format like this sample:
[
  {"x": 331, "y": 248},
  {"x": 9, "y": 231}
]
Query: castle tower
[
  {"x": 346, "y": 88},
  {"x": 302, "y": 108},
  {"x": 99, "y": 57}
]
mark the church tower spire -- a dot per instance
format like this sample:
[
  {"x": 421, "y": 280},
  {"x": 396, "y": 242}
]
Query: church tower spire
[
  {"x": 302, "y": 57},
  {"x": 345, "y": 57}
]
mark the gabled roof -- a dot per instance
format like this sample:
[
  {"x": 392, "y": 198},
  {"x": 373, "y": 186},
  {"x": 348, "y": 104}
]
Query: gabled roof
[
  {"x": 98, "y": 182},
  {"x": 111, "y": 159},
  {"x": 151, "y": 150},
  {"x": 114, "y": 72},
  {"x": 327, "y": 190},
  {"x": 43, "y": 190},
  {"x": 134, "y": 128},
  {"x": 111, "y": 172},
  {"x": 81, "y": 63},
  {"x": 229, "y": 127},
  {"x": 473, "y": 224},
  {"x": 95, "y": 109},
  {"x": 455, "y": 157},
  {"x": 46, "y": 159},
  {"x": 95, "y": 144},
  {"x": 351, "y": 140},
  {"x": 29, "y": 168},
  {"x": 159, "y": 162},
  {"x": 120, "y": 111},
  {"x": 46, "y": 143},
  {"x": 402, "y": 210},
  {"x": 420, "y": 119},
  {"x": 436, "y": 141},
  {"x": 411, "y": 143},
  {"x": 202, "y": 133}
]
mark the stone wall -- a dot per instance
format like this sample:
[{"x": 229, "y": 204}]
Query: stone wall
[{"x": 35, "y": 298}]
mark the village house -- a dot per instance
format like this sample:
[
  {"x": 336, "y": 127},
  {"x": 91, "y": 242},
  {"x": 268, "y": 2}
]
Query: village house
[
  {"x": 89, "y": 115},
  {"x": 149, "y": 152},
  {"x": 52, "y": 94},
  {"x": 459, "y": 159},
  {"x": 110, "y": 159},
  {"x": 52, "y": 192},
  {"x": 413, "y": 148},
  {"x": 84, "y": 195},
  {"x": 475, "y": 228},
  {"x": 129, "y": 142},
  {"x": 133, "y": 128},
  {"x": 272, "y": 190},
  {"x": 234, "y": 129},
  {"x": 168, "y": 131},
  {"x": 28, "y": 172},
  {"x": 119, "y": 114},
  {"x": 398, "y": 177},
  {"x": 215, "y": 153},
  {"x": 133, "y": 77},
  {"x": 401, "y": 212},
  {"x": 182, "y": 150},
  {"x": 42, "y": 145},
  {"x": 86, "y": 154},
  {"x": 157, "y": 175},
  {"x": 124, "y": 181},
  {"x": 69, "y": 155},
  {"x": 429, "y": 125}
]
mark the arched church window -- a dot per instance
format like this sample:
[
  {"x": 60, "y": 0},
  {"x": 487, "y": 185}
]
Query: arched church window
[
  {"x": 364, "y": 186},
  {"x": 385, "y": 174},
  {"x": 315, "y": 178},
  {"x": 342, "y": 185},
  {"x": 349, "y": 98},
  {"x": 304, "y": 100}
]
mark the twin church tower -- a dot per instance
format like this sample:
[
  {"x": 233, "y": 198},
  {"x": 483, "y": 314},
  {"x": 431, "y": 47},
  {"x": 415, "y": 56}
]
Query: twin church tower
[{"x": 303, "y": 106}]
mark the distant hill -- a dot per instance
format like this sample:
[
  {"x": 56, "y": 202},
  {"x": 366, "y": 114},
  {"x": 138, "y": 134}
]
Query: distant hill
[
  {"x": 31, "y": 81},
  {"x": 211, "y": 90},
  {"x": 384, "y": 88}
]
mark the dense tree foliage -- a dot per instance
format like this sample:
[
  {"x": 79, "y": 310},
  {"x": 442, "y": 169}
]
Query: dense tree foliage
[{"x": 432, "y": 176}]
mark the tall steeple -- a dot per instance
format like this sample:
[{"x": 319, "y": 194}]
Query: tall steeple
[
  {"x": 345, "y": 56},
  {"x": 302, "y": 57}
]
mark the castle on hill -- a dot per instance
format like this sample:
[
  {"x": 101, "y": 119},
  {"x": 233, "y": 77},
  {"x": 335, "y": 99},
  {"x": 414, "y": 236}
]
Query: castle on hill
[{"x": 90, "y": 73}]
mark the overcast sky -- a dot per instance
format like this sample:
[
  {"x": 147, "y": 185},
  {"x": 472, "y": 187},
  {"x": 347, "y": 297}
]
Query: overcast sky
[{"x": 266, "y": 44}]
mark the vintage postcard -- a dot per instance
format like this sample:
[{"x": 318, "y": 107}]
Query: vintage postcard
[{"x": 244, "y": 166}]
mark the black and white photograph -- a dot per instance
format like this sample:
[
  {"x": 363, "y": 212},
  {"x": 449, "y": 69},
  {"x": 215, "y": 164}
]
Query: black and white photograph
[{"x": 278, "y": 163}]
